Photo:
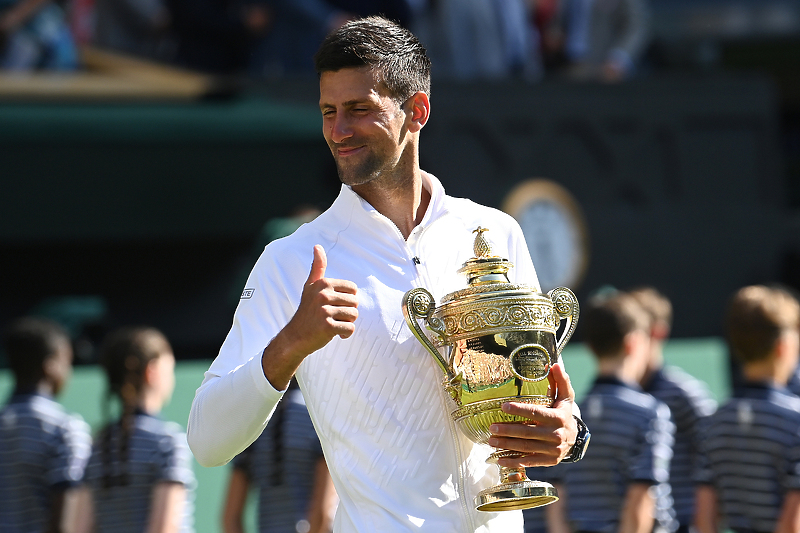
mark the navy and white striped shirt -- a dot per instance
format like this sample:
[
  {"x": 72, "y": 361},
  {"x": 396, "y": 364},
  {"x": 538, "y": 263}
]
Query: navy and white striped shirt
[
  {"x": 750, "y": 453},
  {"x": 689, "y": 401},
  {"x": 632, "y": 437},
  {"x": 157, "y": 452},
  {"x": 43, "y": 449},
  {"x": 281, "y": 464}
]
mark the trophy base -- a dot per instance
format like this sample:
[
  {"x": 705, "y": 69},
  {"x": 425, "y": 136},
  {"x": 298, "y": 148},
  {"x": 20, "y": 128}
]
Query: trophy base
[{"x": 512, "y": 496}]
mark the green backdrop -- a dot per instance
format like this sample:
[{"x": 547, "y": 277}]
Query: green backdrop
[{"x": 703, "y": 358}]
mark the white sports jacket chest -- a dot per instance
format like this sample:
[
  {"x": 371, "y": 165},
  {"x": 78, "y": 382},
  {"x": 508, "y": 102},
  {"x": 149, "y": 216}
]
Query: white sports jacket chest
[{"x": 397, "y": 460}]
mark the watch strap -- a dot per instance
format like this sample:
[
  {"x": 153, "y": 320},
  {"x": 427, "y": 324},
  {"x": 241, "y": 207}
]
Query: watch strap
[{"x": 581, "y": 443}]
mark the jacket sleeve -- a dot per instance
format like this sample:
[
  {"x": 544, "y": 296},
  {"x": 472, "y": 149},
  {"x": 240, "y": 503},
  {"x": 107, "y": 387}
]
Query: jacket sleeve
[{"x": 235, "y": 400}]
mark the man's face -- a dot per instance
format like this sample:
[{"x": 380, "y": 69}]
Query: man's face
[{"x": 364, "y": 127}]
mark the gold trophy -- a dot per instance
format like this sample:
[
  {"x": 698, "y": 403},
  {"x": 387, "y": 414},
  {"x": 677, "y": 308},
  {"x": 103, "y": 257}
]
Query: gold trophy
[{"x": 499, "y": 340}]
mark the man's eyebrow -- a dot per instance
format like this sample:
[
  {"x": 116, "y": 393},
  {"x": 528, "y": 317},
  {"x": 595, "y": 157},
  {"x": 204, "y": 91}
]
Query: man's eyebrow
[{"x": 349, "y": 103}]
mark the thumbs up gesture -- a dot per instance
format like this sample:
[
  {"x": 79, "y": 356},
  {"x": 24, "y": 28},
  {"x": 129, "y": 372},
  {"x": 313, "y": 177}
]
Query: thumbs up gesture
[{"x": 328, "y": 307}]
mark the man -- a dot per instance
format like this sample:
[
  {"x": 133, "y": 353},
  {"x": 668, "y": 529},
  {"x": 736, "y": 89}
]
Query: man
[
  {"x": 43, "y": 449},
  {"x": 373, "y": 393}
]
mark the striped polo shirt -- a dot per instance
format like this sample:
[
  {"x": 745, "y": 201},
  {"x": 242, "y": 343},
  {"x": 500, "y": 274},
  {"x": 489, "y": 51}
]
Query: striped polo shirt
[
  {"x": 632, "y": 437},
  {"x": 43, "y": 449},
  {"x": 750, "y": 453},
  {"x": 281, "y": 464},
  {"x": 794, "y": 382},
  {"x": 689, "y": 401},
  {"x": 157, "y": 452}
]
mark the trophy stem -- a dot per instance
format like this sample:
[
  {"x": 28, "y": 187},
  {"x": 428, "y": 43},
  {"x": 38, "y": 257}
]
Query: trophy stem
[{"x": 515, "y": 490}]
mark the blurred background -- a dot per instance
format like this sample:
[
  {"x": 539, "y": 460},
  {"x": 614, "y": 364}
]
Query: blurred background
[{"x": 149, "y": 149}]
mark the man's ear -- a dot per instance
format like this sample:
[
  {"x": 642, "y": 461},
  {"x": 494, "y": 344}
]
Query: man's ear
[
  {"x": 420, "y": 109},
  {"x": 634, "y": 342}
]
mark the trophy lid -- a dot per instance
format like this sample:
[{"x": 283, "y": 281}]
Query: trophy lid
[{"x": 487, "y": 274}]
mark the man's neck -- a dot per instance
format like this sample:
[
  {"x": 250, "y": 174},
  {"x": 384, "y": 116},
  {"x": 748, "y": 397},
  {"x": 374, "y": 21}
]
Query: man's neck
[{"x": 404, "y": 204}]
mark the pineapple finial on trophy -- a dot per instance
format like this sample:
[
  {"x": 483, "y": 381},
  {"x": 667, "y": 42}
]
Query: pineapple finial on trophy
[{"x": 482, "y": 248}]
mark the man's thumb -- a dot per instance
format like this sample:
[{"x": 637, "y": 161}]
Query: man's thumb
[{"x": 319, "y": 264}]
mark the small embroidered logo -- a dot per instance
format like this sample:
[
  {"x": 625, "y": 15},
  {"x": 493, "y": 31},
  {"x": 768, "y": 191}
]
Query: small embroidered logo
[{"x": 247, "y": 294}]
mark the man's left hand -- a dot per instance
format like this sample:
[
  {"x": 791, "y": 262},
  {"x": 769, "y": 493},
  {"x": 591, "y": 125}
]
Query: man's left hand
[{"x": 549, "y": 435}]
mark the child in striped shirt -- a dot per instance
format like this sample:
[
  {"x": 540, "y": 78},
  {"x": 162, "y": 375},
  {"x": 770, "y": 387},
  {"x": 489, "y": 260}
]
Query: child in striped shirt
[
  {"x": 614, "y": 487},
  {"x": 750, "y": 448},
  {"x": 140, "y": 471},
  {"x": 43, "y": 448},
  {"x": 688, "y": 399}
]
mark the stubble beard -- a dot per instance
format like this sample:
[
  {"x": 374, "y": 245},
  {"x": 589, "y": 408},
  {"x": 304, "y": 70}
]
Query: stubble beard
[{"x": 356, "y": 174}]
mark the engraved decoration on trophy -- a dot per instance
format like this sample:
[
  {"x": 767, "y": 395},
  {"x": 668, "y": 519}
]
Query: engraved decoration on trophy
[{"x": 495, "y": 342}]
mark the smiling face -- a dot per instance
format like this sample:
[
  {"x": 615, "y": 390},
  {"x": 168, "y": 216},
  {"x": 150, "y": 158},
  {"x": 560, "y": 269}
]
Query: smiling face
[{"x": 365, "y": 128}]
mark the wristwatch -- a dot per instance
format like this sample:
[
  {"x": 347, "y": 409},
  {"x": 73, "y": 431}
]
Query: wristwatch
[{"x": 581, "y": 443}]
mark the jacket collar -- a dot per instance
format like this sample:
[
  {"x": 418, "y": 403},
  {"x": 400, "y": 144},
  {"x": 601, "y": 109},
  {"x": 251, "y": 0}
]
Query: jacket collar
[{"x": 354, "y": 208}]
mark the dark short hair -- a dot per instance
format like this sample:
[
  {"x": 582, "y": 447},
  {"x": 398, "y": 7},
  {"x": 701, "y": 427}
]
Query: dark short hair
[
  {"x": 28, "y": 343},
  {"x": 607, "y": 319},
  {"x": 393, "y": 52},
  {"x": 756, "y": 317}
]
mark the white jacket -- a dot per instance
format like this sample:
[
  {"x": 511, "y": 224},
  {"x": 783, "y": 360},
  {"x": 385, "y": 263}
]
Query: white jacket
[{"x": 396, "y": 458}]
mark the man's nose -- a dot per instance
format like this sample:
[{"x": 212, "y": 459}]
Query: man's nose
[{"x": 341, "y": 128}]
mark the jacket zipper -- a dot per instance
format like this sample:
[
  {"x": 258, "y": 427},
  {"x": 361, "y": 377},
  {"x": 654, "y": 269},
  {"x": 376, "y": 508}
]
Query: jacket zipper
[
  {"x": 443, "y": 398},
  {"x": 414, "y": 258}
]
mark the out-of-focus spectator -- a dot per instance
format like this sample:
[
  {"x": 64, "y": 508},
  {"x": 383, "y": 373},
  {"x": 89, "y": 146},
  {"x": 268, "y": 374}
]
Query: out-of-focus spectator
[
  {"x": 481, "y": 39},
  {"x": 750, "y": 448},
  {"x": 287, "y": 467},
  {"x": 611, "y": 489},
  {"x": 688, "y": 399},
  {"x": 606, "y": 38},
  {"x": 140, "y": 470},
  {"x": 136, "y": 27},
  {"x": 301, "y": 25},
  {"x": 34, "y": 34},
  {"x": 547, "y": 18},
  {"x": 43, "y": 449}
]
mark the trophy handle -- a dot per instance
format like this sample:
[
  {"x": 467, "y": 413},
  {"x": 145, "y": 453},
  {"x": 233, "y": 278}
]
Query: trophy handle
[
  {"x": 419, "y": 303},
  {"x": 566, "y": 307}
]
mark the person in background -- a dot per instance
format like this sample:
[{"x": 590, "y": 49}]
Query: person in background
[
  {"x": 140, "y": 472},
  {"x": 605, "y": 39},
  {"x": 43, "y": 449},
  {"x": 34, "y": 34},
  {"x": 286, "y": 465},
  {"x": 632, "y": 435},
  {"x": 749, "y": 473},
  {"x": 689, "y": 401},
  {"x": 481, "y": 39}
]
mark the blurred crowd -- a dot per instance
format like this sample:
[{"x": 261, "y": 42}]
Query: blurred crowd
[{"x": 265, "y": 39}]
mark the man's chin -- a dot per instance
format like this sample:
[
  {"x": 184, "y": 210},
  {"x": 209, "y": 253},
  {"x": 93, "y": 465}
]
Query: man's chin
[{"x": 354, "y": 177}]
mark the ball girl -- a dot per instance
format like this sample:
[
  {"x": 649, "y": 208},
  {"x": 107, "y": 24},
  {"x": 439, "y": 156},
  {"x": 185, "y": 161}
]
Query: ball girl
[{"x": 140, "y": 472}]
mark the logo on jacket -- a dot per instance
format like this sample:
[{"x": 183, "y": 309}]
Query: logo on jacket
[{"x": 247, "y": 294}]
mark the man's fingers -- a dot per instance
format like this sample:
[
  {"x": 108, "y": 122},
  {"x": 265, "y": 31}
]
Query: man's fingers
[
  {"x": 340, "y": 313},
  {"x": 318, "y": 265}
]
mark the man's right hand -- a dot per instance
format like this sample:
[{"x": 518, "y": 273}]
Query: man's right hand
[{"x": 328, "y": 307}]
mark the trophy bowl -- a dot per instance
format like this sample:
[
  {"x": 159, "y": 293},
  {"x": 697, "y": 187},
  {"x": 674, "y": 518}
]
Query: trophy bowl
[{"x": 495, "y": 342}]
